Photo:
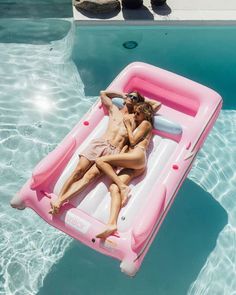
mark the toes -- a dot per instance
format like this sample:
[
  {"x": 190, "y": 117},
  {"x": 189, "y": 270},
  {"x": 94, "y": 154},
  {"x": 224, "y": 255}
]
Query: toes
[
  {"x": 51, "y": 212},
  {"x": 106, "y": 233},
  {"x": 101, "y": 235},
  {"x": 54, "y": 209}
]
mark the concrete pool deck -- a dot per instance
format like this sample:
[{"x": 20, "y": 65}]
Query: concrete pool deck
[{"x": 173, "y": 10}]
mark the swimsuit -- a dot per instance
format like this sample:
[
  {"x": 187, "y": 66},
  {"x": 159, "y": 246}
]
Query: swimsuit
[
  {"x": 141, "y": 147},
  {"x": 98, "y": 148}
]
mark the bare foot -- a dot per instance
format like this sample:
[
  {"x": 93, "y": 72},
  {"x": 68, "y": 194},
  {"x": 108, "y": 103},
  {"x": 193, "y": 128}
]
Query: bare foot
[
  {"x": 125, "y": 195},
  {"x": 55, "y": 207},
  {"x": 110, "y": 229}
]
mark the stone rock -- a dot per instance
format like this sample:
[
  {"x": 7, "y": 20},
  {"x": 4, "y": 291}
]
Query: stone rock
[{"x": 97, "y": 6}]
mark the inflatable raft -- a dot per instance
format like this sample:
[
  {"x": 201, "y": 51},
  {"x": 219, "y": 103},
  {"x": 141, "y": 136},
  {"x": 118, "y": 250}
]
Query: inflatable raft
[{"x": 188, "y": 113}]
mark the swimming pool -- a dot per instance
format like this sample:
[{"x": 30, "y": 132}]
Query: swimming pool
[{"x": 44, "y": 92}]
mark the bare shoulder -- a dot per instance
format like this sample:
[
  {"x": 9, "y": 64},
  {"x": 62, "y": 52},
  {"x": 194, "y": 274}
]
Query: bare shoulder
[{"x": 146, "y": 125}]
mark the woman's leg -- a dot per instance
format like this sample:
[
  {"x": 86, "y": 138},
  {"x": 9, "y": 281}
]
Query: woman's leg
[
  {"x": 132, "y": 160},
  {"x": 115, "y": 207},
  {"x": 126, "y": 175}
]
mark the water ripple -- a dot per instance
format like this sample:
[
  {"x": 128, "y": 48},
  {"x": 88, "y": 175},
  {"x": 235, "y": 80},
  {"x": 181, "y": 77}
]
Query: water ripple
[
  {"x": 214, "y": 171},
  {"x": 27, "y": 253},
  {"x": 42, "y": 97}
]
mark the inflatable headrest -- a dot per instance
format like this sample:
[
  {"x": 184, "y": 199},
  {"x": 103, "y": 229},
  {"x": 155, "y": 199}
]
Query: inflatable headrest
[{"x": 160, "y": 123}]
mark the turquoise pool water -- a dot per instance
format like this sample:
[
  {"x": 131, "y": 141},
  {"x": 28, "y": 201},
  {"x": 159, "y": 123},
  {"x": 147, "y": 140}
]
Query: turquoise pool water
[
  {"x": 34, "y": 9},
  {"x": 51, "y": 72}
]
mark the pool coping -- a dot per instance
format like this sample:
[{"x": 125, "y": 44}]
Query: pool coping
[{"x": 156, "y": 23}]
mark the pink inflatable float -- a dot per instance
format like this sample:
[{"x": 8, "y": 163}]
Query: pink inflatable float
[{"x": 188, "y": 113}]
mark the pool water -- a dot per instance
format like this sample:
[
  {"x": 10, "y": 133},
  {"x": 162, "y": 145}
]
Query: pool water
[
  {"x": 35, "y": 9},
  {"x": 51, "y": 73}
]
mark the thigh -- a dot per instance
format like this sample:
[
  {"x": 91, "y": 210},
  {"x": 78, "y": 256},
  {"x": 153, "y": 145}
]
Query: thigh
[
  {"x": 127, "y": 174},
  {"x": 132, "y": 160}
]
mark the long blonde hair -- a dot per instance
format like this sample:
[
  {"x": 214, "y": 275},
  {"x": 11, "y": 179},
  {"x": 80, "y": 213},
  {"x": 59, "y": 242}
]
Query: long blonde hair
[{"x": 146, "y": 109}]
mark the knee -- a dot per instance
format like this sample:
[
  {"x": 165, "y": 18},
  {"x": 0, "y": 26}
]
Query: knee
[
  {"x": 139, "y": 172},
  {"x": 99, "y": 162},
  {"x": 114, "y": 188}
]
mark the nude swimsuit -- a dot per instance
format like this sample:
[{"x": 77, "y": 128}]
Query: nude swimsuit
[{"x": 142, "y": 147}]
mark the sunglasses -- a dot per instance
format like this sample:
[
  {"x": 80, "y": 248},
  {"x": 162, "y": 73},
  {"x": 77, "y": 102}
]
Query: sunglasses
[{"x": 133, "y": 97}]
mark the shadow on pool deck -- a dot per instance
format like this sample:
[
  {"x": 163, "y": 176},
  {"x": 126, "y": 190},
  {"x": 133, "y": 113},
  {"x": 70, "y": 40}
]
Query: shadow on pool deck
[
  {"x": 185, "y": 240},
  {"x": 162, "y": 10},
  {"x": 143, "y": 13}
]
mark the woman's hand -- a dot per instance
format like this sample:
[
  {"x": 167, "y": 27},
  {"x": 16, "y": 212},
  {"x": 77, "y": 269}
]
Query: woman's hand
[{"x": 127, "y": 121}]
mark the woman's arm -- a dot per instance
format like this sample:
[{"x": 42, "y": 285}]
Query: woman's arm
[
  {"x": 140, "y": 132},
  {"x": 156, "y": 105}
]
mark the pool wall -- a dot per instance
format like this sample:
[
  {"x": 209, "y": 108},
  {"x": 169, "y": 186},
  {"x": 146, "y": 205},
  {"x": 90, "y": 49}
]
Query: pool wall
[{"x": 206, "y": 54}]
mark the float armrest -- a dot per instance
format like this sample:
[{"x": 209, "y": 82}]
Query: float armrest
[
  {"x": 151, "y": 213},
  {"x": 54, "y": 162}
]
